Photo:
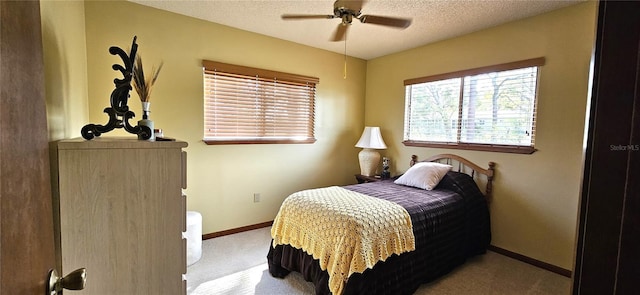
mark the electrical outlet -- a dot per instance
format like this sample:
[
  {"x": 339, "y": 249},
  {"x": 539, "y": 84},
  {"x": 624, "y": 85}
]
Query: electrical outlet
[{"x": 256, "y": 197}]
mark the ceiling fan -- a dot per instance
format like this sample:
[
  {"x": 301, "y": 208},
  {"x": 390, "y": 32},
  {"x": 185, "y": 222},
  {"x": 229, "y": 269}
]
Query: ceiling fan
[{"x": 347, "y": 11}]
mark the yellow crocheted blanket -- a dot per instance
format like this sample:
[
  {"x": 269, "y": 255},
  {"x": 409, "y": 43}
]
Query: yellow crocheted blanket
[{"x": 346, "y": 231}]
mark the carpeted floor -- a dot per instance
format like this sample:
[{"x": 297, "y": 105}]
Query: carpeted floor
[{"x": 236, "y": 264}]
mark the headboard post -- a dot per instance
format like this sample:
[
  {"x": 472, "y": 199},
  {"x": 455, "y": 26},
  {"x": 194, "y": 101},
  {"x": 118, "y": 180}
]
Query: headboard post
[
  {"x": 414, "y": 160},
  {"x": 492, "y": 171}
]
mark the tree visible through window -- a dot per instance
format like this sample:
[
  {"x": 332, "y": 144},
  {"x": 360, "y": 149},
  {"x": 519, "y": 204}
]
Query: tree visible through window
[{"x": 491, "y": 108}]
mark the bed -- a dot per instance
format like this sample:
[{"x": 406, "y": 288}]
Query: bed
[{"x": 367, "y": 249}]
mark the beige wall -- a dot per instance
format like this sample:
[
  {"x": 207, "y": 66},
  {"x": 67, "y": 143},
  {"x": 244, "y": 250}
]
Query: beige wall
[
  {"x": 65, "y": 58},
  {"x": 222, "y": 179},
  {"x": 535, "y": 203},
  {"x": 536, "y": 196}
]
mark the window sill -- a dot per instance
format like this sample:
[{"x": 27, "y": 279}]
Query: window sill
[
  {"x": 527, "y": 150},
  {"x": 254, "y": 141}
]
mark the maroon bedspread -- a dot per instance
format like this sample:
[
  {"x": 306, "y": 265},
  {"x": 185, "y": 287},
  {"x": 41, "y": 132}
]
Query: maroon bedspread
[{"x": 450, "y": 224}]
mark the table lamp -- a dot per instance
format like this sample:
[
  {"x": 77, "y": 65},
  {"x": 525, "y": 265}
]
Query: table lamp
[{"x": 369, "y": 157}]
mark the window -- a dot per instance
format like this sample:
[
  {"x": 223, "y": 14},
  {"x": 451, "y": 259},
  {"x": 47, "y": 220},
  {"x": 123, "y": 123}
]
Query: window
[
  {"x": 248, "y": 105},
  {"x": 491, "y": 108}
]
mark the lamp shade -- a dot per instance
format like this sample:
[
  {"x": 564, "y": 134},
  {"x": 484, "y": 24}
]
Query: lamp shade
[{"x": 371, "y": 139}]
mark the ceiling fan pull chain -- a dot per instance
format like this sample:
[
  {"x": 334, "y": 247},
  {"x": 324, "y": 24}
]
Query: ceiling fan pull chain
[{"x": 345, "y": 59}]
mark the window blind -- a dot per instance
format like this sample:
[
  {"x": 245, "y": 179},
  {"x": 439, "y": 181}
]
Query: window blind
[
  {"x": 499, "y": 108},
  {"x": 432, "y": 110},
  {"x": 249, "y": 105},
  {"x": 480, "y": 108}
]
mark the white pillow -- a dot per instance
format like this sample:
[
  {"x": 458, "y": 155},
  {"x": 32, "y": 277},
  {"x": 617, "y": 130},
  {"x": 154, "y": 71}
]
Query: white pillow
[{"x": 424, "y": 175}]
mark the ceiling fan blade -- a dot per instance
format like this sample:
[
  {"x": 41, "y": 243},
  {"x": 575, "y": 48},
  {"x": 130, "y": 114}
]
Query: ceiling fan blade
[
  {"x": 306, "y": 16},
  {"x": 340, "y": 33},
  {"x": 385, "y": 21}
]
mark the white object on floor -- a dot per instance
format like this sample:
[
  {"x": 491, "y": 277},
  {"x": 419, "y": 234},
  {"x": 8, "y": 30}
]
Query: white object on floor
[{"x": 194, "y": 237}]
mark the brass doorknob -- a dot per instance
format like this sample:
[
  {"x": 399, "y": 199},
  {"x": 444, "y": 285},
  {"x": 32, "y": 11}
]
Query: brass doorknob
[{"x": 73, "y": 281}]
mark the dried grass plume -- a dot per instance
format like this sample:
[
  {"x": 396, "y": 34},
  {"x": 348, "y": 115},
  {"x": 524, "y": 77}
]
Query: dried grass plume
[{"x": 141, "y": 84}]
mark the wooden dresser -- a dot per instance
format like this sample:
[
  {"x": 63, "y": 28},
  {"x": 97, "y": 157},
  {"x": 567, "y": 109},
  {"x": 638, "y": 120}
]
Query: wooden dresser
[{"x": 121, "y": 214}]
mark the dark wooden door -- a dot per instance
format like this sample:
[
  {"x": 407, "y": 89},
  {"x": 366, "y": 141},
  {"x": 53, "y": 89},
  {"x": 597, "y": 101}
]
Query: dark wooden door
[
  {"x": 26, "y": 227},
  {"x": 608, "y": 247}
]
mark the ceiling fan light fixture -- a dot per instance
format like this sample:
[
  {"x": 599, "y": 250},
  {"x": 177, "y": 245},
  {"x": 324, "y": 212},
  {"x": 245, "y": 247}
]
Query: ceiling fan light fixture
[{"x": 346, "y": 19}]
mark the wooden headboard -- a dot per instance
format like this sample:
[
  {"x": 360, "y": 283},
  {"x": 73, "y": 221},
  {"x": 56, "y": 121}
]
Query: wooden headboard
[{"x": 465, "y": 166}]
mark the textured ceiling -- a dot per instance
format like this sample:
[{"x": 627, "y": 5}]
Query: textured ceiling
[{"x": 432, "y": 21}]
